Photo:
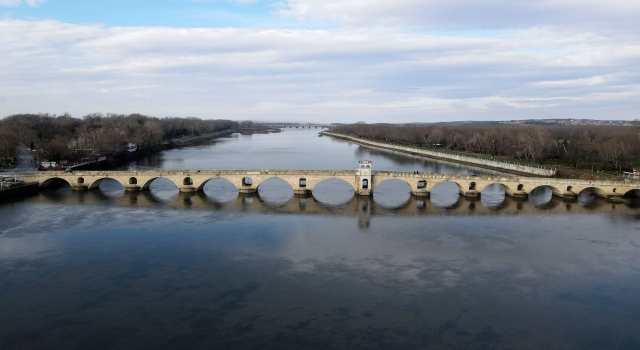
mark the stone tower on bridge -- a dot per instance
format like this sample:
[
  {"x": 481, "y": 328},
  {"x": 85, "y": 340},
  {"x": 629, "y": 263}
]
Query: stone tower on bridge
[{"x": 365, "y": 185}]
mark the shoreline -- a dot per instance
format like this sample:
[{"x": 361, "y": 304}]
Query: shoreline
[
  {"x": 423, "y": 154},
  {"x": 123, "y": 159}
]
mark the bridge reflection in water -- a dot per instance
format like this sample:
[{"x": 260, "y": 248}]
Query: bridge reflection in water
[{"x": 362, "y": 207}]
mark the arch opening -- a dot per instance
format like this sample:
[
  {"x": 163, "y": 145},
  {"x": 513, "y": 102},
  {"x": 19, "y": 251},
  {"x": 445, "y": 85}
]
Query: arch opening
[
  {"x": 445, "y": 195},
  {"x": 275, "y": 192},
  {"x": 569, "y": 188},
  {"x": 392, "y": 194},
  {"x": 594, "y": 191},
  {"x": 219, "y": 190},
  {"x": 365, "y": 183},
  {"x": 588, "y": 199},
  {"x": 633, "y": 194},
  {"x": 161, "y": 188},
  {"x": 108, "y": 186},
  {"x": 302, "y": 183},
  {"x": 421, "y": 184},
  {"x": 494, "y": 196},
  {"x": 247, "y": 181},
  {"x": 54, "y": 182},
  {"x": 542, "y": 196},
  {"x": 133, "y": 181},
  {"x": 520, "y": 187},
  {"x": 187, "y": 181},
  {"x": 472, "y": 186},
  {"x": 333, "y": 193},
  {"x": 81, "y": 180}
]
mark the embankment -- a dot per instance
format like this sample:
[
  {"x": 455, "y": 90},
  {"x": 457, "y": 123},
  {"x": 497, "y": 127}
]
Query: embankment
[{"x": 483, "y": 162}]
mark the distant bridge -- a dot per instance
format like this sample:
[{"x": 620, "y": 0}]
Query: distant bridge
[
  {"x": 298, "y": 126},
  {"x": 364, "y": 181}
]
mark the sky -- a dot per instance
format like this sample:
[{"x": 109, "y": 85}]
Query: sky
[{"x": 323, "y": 60}]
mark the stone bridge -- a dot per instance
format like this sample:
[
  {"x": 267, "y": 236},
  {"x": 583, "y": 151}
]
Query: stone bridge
[{"x": 363, "y": 181}]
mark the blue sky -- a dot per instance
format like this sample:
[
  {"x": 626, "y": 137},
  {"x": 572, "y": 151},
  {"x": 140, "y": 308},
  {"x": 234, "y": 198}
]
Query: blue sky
[
  {"x": 323, "y": 60},
  {"x": 172, "y": 13}
]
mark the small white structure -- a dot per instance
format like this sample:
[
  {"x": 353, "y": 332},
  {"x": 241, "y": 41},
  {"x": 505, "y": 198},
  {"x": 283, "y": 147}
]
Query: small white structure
[
  {"x": 364, "y": 173},
  {"x": 46, "y": 164},
  {"x": 132, "y": 147},
  {"x": 632, "y": 175}
]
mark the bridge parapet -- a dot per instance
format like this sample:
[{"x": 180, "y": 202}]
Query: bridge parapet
[{"x": 303, "y": 181}]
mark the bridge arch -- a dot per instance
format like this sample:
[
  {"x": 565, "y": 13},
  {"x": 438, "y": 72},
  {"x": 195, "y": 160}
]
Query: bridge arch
[
  {"x": 541, "y": 188},
  {"x": 448, "y": 184},
  {"x": 481, "y": 186},
  {"x": 219, "y": 189},
  {"x": 494, "y": 195},
  {"x": 330, "y": 178},
  {"x": 48, "y": 181},
  {"x": 446, "y": 194},
  {"x": 275, "y": 191},
  {"x": 632, "y": 193},
  {"x": 148, "y": 182},
  {"x": 594, "y": 190},
  {"x": 411, "y": 183},
  {"x": 542, "y": 196},
  {"x": 393, "y": 193},
  {"x": 293, "y": 183},
  {"x": 333, "y": 191},
  {"x": 96, "y": 183}
]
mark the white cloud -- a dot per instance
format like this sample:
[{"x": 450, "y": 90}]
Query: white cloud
[
  {"x": 15, "y": 3},
  {"x": 350, "y": 74},
  {"x": 471, "y": 14},
  {"x": 459, "y": 105},
  {"x": 499, "y": 105}
]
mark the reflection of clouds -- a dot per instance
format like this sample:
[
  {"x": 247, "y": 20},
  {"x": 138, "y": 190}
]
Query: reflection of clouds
[
  {"x": 519, "y": 254},
  {"x": 21, "y": 248}
]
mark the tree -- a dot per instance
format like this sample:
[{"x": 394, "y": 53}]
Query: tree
[
  {"x": 9, "y": 144},
  {"x": 57, "y": 149},
  {"x": 592, "y": 157},
  {"x": 535, "y": 141}
]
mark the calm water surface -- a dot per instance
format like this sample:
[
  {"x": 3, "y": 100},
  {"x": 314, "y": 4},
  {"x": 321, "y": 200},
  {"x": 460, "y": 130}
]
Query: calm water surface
[{"x": 107, "y": 269}]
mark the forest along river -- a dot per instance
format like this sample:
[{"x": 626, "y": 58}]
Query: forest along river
[{"x": 106, "y": 269}]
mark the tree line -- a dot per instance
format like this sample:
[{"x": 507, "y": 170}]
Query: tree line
[
  {"x": 60, "y": 137},
  {"x": 592, "y": 147}
]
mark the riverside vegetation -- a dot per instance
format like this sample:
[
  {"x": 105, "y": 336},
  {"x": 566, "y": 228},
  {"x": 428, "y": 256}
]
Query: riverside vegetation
[
  {"x": 591, "y": 148},
  {"x": 65, "y": 138}
]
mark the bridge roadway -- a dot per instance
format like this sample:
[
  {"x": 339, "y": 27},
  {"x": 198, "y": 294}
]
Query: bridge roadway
[{"x": 364, "y": 183}]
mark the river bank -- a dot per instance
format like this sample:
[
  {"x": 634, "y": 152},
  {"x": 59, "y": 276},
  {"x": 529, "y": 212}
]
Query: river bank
[
  {"x": 483, "y": 162},
  {"x": 127, "y": 157}
]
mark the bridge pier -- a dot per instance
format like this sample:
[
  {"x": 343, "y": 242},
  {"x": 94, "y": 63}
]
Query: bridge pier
[
  {"x": 421, "y": 193},
  {"x": 188, "y": 189},
  {"x": 614, "y": 197},
  {"x": 471, "y": 194},
  {"x": 302, "y": 191},
  {"x": 248, "y": 190},
  {"x": 519, "y": 194},
  {"x": 80, "y": 187},
  {"x": 132, "y": 188}
]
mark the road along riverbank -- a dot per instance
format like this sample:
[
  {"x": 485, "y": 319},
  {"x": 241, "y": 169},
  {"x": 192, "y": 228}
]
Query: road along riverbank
[{"x": 487, "y": 163}]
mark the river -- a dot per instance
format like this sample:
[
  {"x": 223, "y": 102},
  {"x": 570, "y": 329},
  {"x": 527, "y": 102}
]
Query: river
[{"x": 106, "y": 269}]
